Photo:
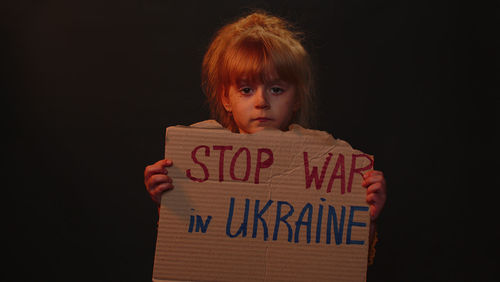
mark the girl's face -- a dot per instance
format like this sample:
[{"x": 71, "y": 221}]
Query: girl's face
[{"x": 256, "y": 106}]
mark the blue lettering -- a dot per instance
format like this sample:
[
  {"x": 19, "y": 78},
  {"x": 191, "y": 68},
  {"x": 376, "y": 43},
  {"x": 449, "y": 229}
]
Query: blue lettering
[
  {"x": 308, "y": 207},
  {"x": 257, "y": 215},
  {"x": 200, "y": 225},
  {"x": 280, "y": 218},
  {"x": 191, "y": 223},
  {"x": 320, "y": 221},
  {"x": 338, "y": 229},
  {"x": 352, "y": 223},
  {"x": 243, "y": 227}
]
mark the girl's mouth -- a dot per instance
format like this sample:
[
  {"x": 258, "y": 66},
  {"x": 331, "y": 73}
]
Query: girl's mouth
[{"x": 262, "y": 119}]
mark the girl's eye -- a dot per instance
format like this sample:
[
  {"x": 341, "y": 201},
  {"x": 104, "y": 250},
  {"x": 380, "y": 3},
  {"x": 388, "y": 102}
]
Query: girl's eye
[
  {"x": 277, "y": 90},
  {"x": 246, "y": 90}
]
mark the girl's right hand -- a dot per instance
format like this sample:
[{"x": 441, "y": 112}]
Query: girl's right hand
[{"x": 157, "y": 180}]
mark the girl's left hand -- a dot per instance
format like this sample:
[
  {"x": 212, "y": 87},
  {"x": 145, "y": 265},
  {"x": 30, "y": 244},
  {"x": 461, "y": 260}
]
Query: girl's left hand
[{"x": 376, "y": 194}]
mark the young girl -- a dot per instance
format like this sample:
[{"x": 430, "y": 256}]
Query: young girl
[{"x": 256, "y": 74}]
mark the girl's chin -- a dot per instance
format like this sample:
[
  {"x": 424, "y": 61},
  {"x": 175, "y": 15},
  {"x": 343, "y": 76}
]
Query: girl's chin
[{"x": 258, "y": 129}]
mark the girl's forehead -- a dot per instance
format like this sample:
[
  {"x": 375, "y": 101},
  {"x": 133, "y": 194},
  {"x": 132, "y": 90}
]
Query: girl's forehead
[
  {"x": 244, "y": 81},
  {"x": 265, "y": 77}
]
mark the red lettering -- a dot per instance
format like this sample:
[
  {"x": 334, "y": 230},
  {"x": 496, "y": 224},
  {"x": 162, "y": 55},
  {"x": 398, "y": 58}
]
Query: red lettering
[
  {"x": 233, "y": 164},
  {"x": 357, "y": 170},
  {"x": 261, "y": 163},
  {"x": 221, "y": 160},
  {"x": 314, "y": 173},
  {"x": 265, "y": 164},
  {"x": 203, "y": 166},
  {"x": 340, "y": 164}
]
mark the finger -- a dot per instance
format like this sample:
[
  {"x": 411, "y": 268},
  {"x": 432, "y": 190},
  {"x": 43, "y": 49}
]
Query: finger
[
  {"x": 376, "y": 202},
  {"x": 373, "y": 212},
  {"x": 367, "y": 174},
  {"x": 371, "y": 199},
  {"x": 372, "y": 172},
  {"x": 378, "y": 197},
  {"x": 153, "y": 170},
  {"x": 373, "y": 179},
  {"x": 163, "y": 187},
  {"x": 156, "y": 168},
  {"x": 164, "y": 162},
  {"x": 159, "y": 190},
  {"x": 156, "y": 180},
  {"x": 374, "y": 188}
]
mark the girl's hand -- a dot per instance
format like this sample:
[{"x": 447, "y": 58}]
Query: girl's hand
[
  {"x": 376, "y": 194},
  {"x": 156, "y": 179}
]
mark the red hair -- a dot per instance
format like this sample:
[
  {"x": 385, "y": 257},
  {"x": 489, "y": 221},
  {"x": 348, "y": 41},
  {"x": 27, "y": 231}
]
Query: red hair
[{"x": 257, "y": 47}]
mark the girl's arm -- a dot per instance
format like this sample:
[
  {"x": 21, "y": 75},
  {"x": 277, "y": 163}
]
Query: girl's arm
[{"x": 376, "y": 196}]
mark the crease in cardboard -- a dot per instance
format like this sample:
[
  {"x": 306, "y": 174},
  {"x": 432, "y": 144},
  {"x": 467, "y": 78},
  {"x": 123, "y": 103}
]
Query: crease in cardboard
[
  {"x": 297, "y": 165},
  {"x": 287, "y": 172},
  {"x": 266, "y": 257}
]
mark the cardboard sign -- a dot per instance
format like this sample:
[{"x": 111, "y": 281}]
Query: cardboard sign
[{"x": 270, "y": 206}]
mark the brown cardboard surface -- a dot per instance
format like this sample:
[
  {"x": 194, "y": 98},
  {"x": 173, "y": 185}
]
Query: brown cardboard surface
[{"x": 223, "y": 176}]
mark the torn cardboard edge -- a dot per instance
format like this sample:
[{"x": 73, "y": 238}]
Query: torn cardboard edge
[{"x": 267, "y": 206}]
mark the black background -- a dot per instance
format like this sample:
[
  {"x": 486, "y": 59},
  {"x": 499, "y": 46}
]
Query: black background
[{"x": 89, "y": 87}]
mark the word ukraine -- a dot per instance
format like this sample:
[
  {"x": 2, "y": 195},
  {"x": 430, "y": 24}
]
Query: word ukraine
[{"x": 282, "y": 218}]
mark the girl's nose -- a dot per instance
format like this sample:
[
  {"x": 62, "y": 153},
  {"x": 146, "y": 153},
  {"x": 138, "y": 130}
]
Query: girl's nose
[{"x": 261, "y": 101}]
